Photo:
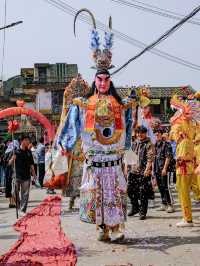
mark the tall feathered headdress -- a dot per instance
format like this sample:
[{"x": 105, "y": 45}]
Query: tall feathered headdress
[{"x": 102, "y": 57}]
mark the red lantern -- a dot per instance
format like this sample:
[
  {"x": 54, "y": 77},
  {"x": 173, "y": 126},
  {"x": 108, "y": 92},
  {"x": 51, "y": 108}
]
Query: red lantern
[{"x": 13, "y": 125}]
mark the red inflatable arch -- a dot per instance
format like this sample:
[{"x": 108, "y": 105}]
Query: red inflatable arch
[{"x": 20, "y": 110}]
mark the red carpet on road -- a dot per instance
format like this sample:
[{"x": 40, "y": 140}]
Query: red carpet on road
[{"x": 42, "y": 241}]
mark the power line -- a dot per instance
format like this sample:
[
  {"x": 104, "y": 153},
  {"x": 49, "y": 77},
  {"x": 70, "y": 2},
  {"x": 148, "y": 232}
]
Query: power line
[
  {"x": 164, "y": 10},
  {"x": 161, "y": 38},
  {"x": 4, "y": 37},
  {"x": 160, "y": 12},
  {"x": 4, "y": 40},
  {"x": 11, "y": 25},
  {"x": 70, "y": 10},
  {"x": 124, "y": 37}
]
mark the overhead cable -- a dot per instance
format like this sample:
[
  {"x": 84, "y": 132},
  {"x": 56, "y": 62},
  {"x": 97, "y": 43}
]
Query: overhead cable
[
  {"x": 155, "y": 11},
  {"x": 61, "y": 5},
  {"x": 4, "y": 40},
  {"x": 161, "y": 38},
  {"x": 11, "y": 25},
  {"x": 169, "y": 12}
]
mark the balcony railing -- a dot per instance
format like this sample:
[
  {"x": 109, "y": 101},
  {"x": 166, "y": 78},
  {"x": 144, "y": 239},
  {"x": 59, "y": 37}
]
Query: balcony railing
[
  {"x": 163, "y": 117},
  {"x": 48, "y": 80}
]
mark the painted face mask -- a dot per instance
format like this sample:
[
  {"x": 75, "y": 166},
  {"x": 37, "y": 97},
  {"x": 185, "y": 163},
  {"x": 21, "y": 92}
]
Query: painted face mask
[{"x": 102, "y": 82}]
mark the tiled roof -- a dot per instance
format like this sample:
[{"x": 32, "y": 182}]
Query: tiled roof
[
  {"x": 159, "y": 92},
  {"x": 123, "y": 92}
]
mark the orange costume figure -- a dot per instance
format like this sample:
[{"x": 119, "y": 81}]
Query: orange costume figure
[
  {"x": 197, "y": 151},
  {"x": 197, "y": 155},
  {"x": 103, "y": 121},
  {"x": 184, "y": 126}
]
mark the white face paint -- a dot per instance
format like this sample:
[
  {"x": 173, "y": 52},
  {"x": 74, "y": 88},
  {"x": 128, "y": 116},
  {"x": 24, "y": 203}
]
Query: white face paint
[{"x": 102, "y": 82}]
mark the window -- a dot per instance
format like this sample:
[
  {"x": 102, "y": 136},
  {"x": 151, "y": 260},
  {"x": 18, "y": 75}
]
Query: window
[
  {"x": 42, "y": 74},
  {"x": 156, "y": 110},
  {"x": 57, "y": 101}
]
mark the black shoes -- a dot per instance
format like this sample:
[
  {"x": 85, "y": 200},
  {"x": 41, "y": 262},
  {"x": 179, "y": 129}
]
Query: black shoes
[
  {"x": 50, "y": 191},
  {"x": 132, "y": 212},
  {"x": 142, "y": 217},
  {"x": 12, "y": 206}
]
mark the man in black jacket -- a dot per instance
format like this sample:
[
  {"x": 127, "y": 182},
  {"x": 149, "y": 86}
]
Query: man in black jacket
[
  {"x": 24, "y": 166},
  {"x": 139, "y": 179},
  {"x": 163, "y": 157}
]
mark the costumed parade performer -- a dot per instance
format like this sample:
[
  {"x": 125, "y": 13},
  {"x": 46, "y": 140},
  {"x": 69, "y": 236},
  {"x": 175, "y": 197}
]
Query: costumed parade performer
[
  {"x": 197, "y": 153},
  {"x": 184, "y": 125},
  {"x": 103, "y": 120},
  {"x": 195, "y": 105},
  {"x": 77, "y": 88},
  {"x": 62, "y": 172},
  {"x": 143, "y": 115}
]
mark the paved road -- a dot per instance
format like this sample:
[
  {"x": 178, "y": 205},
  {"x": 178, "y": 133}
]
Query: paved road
[{"x": 155, "y": 241}]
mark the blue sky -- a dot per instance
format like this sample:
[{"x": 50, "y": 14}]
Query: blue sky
[{"x": 47, "y": 36}]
